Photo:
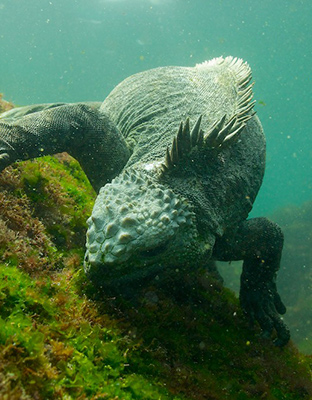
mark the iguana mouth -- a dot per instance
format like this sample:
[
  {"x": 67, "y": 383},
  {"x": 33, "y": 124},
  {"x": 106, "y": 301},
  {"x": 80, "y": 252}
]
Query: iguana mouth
[
  {"x": 154, "y": 251},
  {"x": 125, "y": 276}
]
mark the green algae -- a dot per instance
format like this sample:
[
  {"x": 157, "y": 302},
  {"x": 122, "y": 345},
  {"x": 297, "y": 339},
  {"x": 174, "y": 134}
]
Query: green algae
[{"x": 179, "y": 337}]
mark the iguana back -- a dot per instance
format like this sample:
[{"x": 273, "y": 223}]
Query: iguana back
[{"x": 148, "y": 107}]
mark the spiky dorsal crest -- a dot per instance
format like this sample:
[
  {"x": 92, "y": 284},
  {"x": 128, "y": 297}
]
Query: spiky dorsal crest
[
  {"x": 223, "y": 132},
  {"x": 183, "y": 143}
]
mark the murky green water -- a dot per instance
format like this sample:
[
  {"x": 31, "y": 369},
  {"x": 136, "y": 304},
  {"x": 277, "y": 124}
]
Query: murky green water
[{"x": 74, "y": 50}]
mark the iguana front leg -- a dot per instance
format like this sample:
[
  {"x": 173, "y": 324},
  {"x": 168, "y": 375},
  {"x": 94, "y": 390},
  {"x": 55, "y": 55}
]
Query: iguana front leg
[
  {"x": 79, "y": 129},
  {"x": 259, "y": 243}
]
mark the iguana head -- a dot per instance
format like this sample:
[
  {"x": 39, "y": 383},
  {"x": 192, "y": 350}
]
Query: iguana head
[{"x": 138, "y": 225}]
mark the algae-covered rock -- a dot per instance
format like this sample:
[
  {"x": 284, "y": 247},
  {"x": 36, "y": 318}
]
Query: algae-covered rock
[{"x": 180, "y": 336}]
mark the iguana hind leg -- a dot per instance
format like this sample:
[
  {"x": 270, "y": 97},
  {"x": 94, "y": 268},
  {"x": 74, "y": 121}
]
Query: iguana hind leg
[
  {"x": 258, "y": 242},
  {"x": 79, "y": 129}
]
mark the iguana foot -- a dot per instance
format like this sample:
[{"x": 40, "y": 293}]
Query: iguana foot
[
  {"x": 259, "y": 243},
  {"x": 261, "y": 302}
]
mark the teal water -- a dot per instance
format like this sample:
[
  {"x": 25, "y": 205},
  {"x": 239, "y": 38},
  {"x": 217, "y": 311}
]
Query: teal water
[{"x": 75, "y": 50}]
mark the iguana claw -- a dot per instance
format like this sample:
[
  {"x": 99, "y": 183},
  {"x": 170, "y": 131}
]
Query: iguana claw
[{"x": 262, "y": 303}]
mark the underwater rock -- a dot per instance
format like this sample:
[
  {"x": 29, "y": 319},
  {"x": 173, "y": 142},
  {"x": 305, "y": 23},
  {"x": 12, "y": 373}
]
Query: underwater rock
[{"x": 183, "y": 337}]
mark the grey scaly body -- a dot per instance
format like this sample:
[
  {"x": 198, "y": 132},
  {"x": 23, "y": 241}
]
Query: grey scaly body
[{"x": 168, "y": 197}]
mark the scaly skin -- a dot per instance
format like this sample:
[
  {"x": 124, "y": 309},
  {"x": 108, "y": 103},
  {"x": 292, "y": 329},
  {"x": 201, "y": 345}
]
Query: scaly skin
[
  {"x": 136, "y": 223},
  {"x": 168, "y": 197}
]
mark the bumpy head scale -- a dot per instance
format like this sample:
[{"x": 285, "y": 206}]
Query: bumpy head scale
[{"x": 132, "y": 218}]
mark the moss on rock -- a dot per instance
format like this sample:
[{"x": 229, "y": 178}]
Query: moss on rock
[{"x": 179, "y": 337}]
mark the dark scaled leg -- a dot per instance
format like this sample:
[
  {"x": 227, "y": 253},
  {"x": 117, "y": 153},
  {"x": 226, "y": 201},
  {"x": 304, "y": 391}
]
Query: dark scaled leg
[{"x": 258, "y": 242}]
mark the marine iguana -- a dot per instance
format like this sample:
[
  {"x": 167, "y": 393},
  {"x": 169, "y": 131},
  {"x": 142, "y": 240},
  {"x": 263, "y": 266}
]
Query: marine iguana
[{"x": 170, "y": 193}]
